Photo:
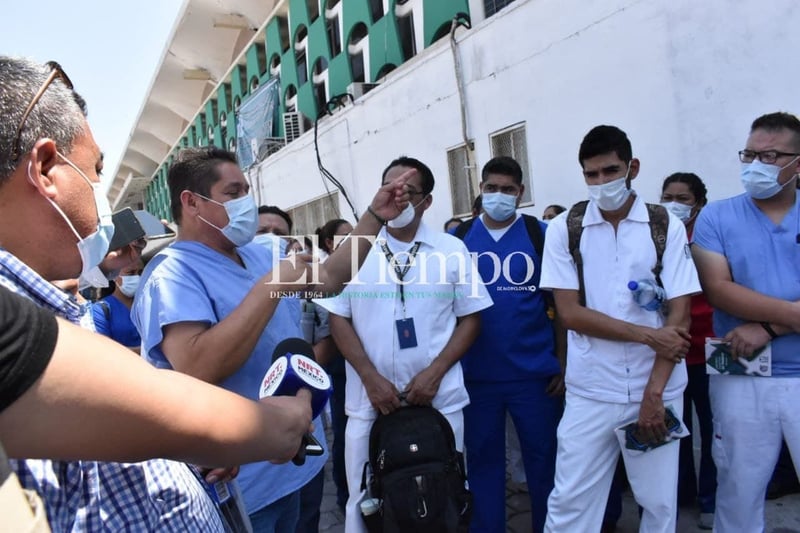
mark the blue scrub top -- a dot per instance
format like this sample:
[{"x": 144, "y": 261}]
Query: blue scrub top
[
  {"x": 516, "y": 340},
  {"x": 190, "y": 282},
  {"x": 114, "y": 321},
  {"x": 762, "y": 256}
]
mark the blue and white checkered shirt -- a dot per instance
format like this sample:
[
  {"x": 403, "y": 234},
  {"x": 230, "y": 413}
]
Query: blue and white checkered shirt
[{"x": 156, "y": 495}]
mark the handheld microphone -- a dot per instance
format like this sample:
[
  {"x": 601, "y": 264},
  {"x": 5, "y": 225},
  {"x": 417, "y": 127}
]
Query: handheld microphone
[{"x": 293, "y": 368}]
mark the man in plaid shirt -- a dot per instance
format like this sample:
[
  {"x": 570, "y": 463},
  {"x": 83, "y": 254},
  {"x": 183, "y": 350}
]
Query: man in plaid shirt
[{"x": 50, "y": 229}]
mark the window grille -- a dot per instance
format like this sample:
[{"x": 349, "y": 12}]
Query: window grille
[{"x": 512, "y": 142}]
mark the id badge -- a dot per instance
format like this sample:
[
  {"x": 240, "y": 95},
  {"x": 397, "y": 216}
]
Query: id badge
[
  {"x": 406, "y": 333},
  {"x": 220, "y": 492}
]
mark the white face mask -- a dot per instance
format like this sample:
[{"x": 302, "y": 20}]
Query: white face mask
[
  {"x": 94, "y": 247},
  {"x": 406, "y": 217},
  {"x": 682, "y": 211},
  {"x": 129, "y": 285},
  {"x": 242, "y": 219},
  {"x": 612, "y": 195}
]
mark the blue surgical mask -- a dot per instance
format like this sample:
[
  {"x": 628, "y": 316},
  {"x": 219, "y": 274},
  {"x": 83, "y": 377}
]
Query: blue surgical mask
[
  {"x": 129, "y": 285},
  {"x": 682, "y": 211},
  {"x": 242, "y": 219},
  {"x": 272, "y": 242},
  {"x": 760, "y": 180},
  {"x": 612, "y": 195},
  {"x": 94, "y": 247},
  {"x": 499, "y": 206}
]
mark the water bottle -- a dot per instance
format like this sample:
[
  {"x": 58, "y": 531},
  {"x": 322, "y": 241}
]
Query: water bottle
[
  {"x": 647, "y": 294},
  {"x": 370, "y": 508}
]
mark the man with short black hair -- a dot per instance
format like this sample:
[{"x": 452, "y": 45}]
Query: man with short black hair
[
  {"x": 210, "y": 306},
  {"x": 50, "y": 187},
  {"x": 112, "y": 314},
  {"x": 404, "y": 325},
  {"x": 621, "y": 358},
  {"x": 273, "y": 219},
  {"x": 512, "y": 365},
  {"x": 746, "y": 251}
]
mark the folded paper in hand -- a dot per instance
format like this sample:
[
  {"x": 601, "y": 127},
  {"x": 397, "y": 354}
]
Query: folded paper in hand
[
  {"x": 719, "y": 360},
  {"x": 633, "y": 443}
]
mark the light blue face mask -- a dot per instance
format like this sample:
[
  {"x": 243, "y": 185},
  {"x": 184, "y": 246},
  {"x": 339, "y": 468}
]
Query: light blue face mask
[
  {"x": 272, "y": 242},
  {"x": 94, "y": 247},
  {"x": 499, "y": 206},
  {"x": 242, "y": 219},
  {"x": 129, "y": 285},
  {"x": 760, "y": 180}
]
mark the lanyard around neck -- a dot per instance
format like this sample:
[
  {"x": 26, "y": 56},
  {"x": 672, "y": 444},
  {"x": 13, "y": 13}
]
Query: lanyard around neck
[{"x": 412, "y": 253}]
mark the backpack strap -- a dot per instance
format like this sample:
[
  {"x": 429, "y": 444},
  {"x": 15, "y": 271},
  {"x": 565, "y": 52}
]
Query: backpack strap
[
  {"x": 106, "y": 310},
  {"x": 659, "y": 223},
  {"x": 535, "y": 234},
  {"x": 574, "y": 231},
  {"x": 463, "y": 228},
  {"x": 531, "y": 225}
]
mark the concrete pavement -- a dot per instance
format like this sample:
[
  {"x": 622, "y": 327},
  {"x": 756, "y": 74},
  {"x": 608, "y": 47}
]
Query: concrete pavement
[{"x": 782, "y": 515}]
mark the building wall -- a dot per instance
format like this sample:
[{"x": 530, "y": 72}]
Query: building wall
[
  {"x": 684, "y": 79},
  {"x": 292, "y": 44}
]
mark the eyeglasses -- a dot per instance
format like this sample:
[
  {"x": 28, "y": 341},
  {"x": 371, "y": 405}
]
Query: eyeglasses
[
  {"x": 413, "y": 192},
  {"x": 55, "y": 72},
  {"x": 767, "y": 156}
]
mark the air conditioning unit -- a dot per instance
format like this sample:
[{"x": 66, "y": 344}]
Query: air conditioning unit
[
  {"x": 270, "y": 146},
  {"x": 359, "y": 88},
  {"x": 293, "y": 126}
]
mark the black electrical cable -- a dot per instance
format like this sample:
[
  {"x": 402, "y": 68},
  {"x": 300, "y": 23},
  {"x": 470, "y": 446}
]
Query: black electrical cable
[{"x": 334, "y": 101}]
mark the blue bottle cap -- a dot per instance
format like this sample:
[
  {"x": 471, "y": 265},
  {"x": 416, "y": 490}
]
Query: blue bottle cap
[{"x": 633, "y": 285}]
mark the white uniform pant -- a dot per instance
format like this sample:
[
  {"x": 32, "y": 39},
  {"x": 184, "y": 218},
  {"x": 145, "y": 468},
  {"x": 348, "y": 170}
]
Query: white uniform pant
[
  {"x": 588, "y": 449},
  {"x": 752, "y": 416},
  {"x": 356, "y": 453}
]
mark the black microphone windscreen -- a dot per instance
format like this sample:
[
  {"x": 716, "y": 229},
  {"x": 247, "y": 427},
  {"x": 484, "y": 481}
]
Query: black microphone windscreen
[{"x": 293, "y": 345}]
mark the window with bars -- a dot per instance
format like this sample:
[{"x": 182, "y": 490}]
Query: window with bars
[
  {"x": 491, "y": 7},
  {"x": 512, "y": 142},
  {"x": 311, "y": 215},
  {"x": 462, "y": 186}
]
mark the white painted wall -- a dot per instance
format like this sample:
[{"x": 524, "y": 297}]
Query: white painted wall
[{"x": 683, "y": 78}]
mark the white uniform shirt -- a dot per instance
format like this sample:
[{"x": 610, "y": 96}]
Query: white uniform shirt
[
  {"x": 606, "y": 370},
  {"x": 443, "y": 283}
]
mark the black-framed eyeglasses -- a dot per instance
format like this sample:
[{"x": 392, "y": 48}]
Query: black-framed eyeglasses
[
  {"x": 55, "y": 72},
  {"x": 414, "y": 192},
  {"x": 767, "y": 156}
]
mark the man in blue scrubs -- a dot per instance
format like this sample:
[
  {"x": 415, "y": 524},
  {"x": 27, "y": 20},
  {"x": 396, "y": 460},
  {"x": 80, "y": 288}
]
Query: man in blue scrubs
[
  {"x": 512, "y": 366},
  {"x": 210, "y": 306},
  {"x": 112, "y": 314},
  {"x": 747, "y": 251}
]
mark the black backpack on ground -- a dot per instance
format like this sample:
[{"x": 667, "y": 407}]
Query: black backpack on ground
[{"x": 417, "y": 473}]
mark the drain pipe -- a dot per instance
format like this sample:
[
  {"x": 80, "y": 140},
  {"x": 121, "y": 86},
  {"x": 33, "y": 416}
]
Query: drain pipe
[{"x": 468, "y": 144}]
